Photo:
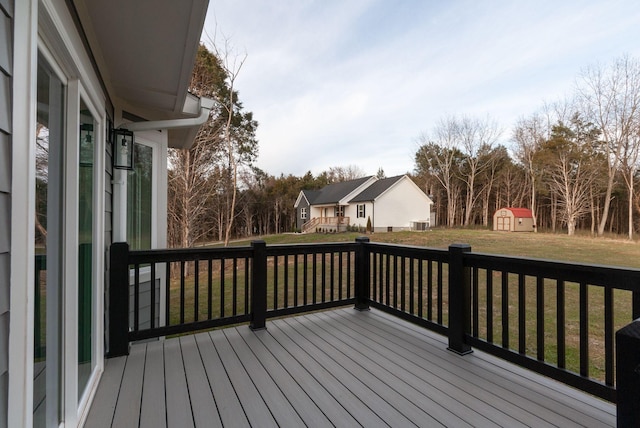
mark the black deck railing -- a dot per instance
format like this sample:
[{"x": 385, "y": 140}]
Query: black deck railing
[
  {"x": 542, "y": 315},
  {"x": 40, "y": 343}
]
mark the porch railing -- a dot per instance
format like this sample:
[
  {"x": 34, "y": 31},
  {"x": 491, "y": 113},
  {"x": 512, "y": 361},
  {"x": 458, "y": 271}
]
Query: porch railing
[
  {"x": 545, "y": 316},
  {"x": 325, "y": 222}
]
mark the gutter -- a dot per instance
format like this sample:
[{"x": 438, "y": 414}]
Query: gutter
[{"x": 206, "y": 104}]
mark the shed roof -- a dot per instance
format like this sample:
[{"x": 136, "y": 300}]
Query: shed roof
[{"x": 519, "y": 212}]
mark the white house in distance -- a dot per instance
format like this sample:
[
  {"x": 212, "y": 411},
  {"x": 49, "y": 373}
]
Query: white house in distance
[
  {"x": 392, "y": 204},
  {"x": 79, "y": 81}
]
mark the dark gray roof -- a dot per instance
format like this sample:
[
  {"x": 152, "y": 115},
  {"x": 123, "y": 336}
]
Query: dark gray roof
[
  {"x": 333, "y": 193},
  {"x": 376, "y": 189},
  {"x": 310, "y": 195}
]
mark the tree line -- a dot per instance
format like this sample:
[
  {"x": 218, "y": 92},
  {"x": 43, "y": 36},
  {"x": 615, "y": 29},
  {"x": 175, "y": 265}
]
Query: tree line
[{"x": 574, "y": 163}]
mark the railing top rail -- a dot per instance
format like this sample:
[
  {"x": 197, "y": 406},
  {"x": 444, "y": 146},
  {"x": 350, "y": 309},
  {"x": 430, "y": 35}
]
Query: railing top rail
[
  {"x": 437, "y": 254},
  {"x": 187, "y": 254},
  {"x": 607, "y": 276},
  {"x": 317, "y": 248}
]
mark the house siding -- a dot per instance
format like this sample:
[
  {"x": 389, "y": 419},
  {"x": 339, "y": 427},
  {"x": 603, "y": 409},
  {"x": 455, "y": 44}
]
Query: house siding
[
  {"x": 6, "y": 71},
  {"x": 351, "y": 211},
  {"x": 300, "y": 221},
  {"x": 397, "y": 208}
]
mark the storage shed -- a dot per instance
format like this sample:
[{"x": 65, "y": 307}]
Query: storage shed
[{"x": 513, "y": 220}]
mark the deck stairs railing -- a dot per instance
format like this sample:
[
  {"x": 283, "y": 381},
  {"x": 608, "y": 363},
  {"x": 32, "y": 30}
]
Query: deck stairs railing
[{"x": 336, "y": 224}]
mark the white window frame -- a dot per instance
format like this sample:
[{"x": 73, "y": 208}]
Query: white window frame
[
  {"x": 158, "y": 142},
  {"x": 361, "y": 210},
  {"x": 303, "y": 213},
  {"x": 47, "y": 28}
]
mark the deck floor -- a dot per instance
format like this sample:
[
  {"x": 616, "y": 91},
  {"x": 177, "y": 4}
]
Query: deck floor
[{"x": 335, "y": 368}]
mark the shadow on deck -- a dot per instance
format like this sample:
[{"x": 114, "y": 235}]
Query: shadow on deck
[{"x": 342, "y": 368}]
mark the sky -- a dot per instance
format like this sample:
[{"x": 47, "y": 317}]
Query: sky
[{"x": 360, "y": 82}]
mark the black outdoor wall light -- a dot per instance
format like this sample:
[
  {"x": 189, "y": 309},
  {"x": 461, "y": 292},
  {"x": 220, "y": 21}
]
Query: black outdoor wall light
[
  {"x": 123, "y": 149},
  {"x": 86, "y": 144}
]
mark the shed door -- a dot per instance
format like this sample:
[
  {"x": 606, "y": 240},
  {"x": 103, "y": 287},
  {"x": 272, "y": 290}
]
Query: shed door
[{"x": 504, "y": 223}]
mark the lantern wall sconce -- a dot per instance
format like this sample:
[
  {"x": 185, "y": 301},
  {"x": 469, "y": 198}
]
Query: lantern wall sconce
[
  {"x": 86, "y": 144},
  {"x": 123, "y": 149}
]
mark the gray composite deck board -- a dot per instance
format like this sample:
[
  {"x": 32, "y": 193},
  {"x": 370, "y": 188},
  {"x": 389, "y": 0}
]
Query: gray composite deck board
[
  {"x": 130, "y": 395},
  {"x": 203, "y": 403},
  {"x": 417, "y": 372},
  {"x": 336, "y": 368},
  {"x": 299, "y": 390},
  {"x": 227, "y": 402},
  {"x": 397, "y": 396},
  {"x": 177, "y": 392},
  {"x": 355, "y": 404},
  {"x": 546, "y": 399},
  {"x": 106, "y": 398},
  {"x": 318, "y": 390},
  {"x": 441, "y": 379},
  {"x": 251, "y": 399},
  {"x": 279, "y": 400},
  {"x": 153, "y": 412}
]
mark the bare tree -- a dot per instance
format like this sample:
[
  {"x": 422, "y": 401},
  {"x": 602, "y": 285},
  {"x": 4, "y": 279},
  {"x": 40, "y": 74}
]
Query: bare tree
[
  {"x": 477, "y": 138},
  {"x": 203, "y": 180},
  {"x": 612, "y": 97},
  {"x": 440, "y": 157},
  {"x": 570, "y": 160},
  {"x": 337, "y": 174},
  {"x": 528, "y": 135},
  {"x": 231, "y": 65},
  {"x": 496, "y": 160}
]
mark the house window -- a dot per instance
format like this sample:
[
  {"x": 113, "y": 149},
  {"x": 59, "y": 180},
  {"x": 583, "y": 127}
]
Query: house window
[
  {"x": 139, "y": 194},
  {"x": 339, "y": 211},
  {"x": 361, "y": 211},
  {"x": 303, "y": 213}
]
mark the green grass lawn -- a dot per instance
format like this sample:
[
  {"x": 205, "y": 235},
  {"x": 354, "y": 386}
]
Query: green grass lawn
[{"x": 603, "y": 251}]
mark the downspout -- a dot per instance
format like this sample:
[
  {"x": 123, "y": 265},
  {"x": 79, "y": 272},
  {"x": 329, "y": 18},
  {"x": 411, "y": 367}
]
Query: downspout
[{"x": 206, "y": 104}]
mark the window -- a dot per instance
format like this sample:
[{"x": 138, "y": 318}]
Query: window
[
  {"x": 303, "y": 213},
  {"x": 139, "y": 194},
  {"x": 361, "y": 211},
  {"x": 339, "y": 211}
]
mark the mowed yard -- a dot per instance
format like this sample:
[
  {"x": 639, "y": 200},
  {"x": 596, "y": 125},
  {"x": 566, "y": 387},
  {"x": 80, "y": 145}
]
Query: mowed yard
[
  {"x": 582, "y": 249},
  {"x": 227, "y": 300}
]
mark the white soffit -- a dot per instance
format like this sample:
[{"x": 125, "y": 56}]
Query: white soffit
[{"x": 145, "y": 50}]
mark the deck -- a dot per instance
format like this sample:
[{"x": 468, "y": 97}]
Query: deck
[{"x": 333, "y": 368}]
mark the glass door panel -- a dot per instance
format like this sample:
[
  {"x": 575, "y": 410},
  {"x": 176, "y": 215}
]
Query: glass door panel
[
  {"x": 48, "y": 248},
  {"x": 86, "y": 362}
]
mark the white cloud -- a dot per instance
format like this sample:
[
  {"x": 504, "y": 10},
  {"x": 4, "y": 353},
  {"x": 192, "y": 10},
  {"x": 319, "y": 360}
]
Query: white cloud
[{"x": 339, "y": 83}]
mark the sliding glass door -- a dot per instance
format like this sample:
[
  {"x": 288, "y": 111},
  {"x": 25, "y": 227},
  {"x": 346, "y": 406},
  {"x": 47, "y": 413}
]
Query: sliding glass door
[
  {"x": 47, "y": 388},
  {"x": 86, "y": 172}
]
